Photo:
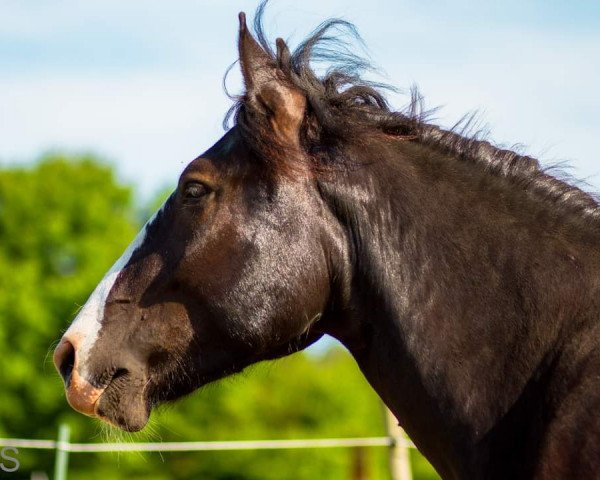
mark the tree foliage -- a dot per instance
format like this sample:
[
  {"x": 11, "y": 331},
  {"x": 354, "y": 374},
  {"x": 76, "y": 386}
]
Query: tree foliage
[{"x": 63, "y": 221}]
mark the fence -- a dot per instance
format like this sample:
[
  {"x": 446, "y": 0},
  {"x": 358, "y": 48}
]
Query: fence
[{"x": 63, "y": 447}]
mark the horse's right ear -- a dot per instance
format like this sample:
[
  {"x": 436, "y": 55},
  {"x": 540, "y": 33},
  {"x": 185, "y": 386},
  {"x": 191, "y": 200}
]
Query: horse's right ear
[{"x": 269, "y": 91}]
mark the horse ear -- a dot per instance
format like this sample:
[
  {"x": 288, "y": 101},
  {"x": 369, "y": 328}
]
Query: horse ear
[{"x": 269, "y": 90}]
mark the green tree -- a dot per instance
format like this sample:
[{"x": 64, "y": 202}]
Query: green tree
[{"x": 62, "y": 222}]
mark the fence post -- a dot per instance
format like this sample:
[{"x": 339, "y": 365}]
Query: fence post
[
  {"x": 62, "y": 453},
  {"x": 399, "y": 454}
]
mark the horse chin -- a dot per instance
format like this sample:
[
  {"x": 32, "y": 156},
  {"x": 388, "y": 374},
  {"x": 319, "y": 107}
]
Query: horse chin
[{"x": 125, "y": 407}]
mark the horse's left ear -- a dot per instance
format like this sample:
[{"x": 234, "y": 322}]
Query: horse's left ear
[{"x": 269, "y": 90}]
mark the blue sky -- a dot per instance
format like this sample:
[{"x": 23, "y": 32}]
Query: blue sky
[{"x": 140, "y": 81}]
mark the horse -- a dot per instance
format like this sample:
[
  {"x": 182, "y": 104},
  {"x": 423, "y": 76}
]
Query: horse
[{"x": 463, "y": 278}]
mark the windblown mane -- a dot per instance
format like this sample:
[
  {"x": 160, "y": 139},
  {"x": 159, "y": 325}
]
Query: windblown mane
[{"x": 341, "y": 104}]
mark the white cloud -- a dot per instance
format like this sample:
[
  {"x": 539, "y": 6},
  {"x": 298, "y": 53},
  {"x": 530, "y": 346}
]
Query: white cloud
[{"x": 151, "y": 126}]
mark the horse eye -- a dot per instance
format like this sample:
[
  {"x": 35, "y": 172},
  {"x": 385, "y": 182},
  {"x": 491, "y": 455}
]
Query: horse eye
[{"x": 194, "y": 190}]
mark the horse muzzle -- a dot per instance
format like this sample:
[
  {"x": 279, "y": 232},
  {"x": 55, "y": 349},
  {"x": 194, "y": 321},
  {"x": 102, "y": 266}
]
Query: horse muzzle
[{"x": 81, "y": 394}]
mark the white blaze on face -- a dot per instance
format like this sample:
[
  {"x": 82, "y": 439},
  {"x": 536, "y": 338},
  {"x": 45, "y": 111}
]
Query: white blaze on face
[{"x": 86, "y": 326}]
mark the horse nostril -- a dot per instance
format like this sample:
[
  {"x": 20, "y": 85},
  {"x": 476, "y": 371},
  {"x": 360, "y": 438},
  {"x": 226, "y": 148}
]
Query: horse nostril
[
  {"x": 120, "y": 373},
  {"x": 64, "y": 360}
]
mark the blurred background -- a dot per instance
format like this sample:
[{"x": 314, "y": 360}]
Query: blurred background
[{"x": 102, "y": 104}]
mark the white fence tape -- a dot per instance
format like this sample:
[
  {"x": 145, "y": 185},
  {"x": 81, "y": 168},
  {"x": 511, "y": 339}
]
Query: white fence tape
[{"x": 207, "y": 446}]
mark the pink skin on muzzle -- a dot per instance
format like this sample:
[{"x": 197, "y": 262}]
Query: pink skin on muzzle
[{"x": 81, "y": 394}]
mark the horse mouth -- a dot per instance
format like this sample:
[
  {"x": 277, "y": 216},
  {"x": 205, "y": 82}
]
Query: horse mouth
[
  {"x": 124, "y": 403},
  {"x": 129, "y": 398}
]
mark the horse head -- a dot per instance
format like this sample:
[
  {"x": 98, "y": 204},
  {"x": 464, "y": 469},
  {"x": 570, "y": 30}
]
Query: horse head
[{"x": 236, "y": 267}]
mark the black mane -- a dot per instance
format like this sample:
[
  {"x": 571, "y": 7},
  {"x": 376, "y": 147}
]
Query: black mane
[{"x": 341, "y": 105}]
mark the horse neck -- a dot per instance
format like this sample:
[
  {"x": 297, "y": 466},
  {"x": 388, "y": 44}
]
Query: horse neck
[{"x": 450, "y": 280}]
